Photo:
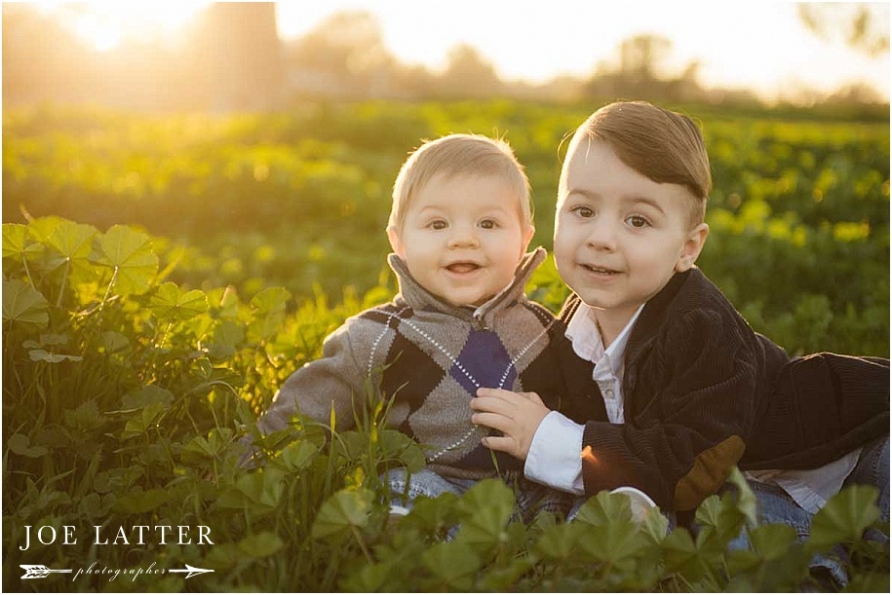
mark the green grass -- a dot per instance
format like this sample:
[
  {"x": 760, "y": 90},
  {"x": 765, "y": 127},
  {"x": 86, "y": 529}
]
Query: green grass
[{"x": 135, "y": 356}]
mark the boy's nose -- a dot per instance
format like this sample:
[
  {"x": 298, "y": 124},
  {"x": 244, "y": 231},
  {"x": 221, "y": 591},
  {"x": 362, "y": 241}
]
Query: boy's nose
[{"x": 602, "y": 235}]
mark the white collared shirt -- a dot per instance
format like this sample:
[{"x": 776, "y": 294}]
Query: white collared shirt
[
  {"x": 588, "y": 344},
  {"x": 554, "y": 456},
  {"x": 810, "y": 488}
]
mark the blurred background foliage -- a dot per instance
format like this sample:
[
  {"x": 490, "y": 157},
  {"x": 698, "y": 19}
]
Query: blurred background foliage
[
  {"x": 184, "y": 224},
  {"x": 300, "y": 198}
]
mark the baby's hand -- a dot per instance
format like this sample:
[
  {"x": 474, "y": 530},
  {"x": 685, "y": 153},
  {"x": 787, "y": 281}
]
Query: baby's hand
[{"x": 516, "y": 415}]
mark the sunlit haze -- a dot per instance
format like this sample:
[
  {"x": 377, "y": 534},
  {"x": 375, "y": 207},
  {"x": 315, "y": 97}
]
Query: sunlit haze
[
  {"x": 739, "y": 44},
  {"x": 762, "y": 46},
  {"x": 105, "y": 25}
]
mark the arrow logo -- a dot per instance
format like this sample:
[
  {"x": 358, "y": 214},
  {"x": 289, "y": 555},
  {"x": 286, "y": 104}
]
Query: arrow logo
[
  {"x": 191, "y": 570},
  {"x": 41, "y": 571}
]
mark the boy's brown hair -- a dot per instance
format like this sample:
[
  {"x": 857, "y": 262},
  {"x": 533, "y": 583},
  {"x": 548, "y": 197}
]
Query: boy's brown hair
[
  {"x": 458, "y": 155},
  {"x": 665, "y": 146}
]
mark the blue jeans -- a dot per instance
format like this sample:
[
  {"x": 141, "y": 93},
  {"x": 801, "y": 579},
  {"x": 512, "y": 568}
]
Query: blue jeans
[
  {"x": 776, "y": 506},
  {"x": 531, "y": 497}
]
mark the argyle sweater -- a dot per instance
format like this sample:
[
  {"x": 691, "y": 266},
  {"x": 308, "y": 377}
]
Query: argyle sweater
[{"x": 430, "y": 357}]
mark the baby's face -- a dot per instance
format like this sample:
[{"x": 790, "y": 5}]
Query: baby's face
[{"x": 463, "y": 237}]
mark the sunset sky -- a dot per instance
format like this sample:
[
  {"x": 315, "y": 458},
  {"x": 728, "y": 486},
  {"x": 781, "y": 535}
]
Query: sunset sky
[
  {"x": 740, "y": 44},
  {"x": 758, "y": 45}
]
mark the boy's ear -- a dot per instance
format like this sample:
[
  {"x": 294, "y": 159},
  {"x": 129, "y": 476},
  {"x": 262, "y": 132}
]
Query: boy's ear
[
  {"x": 691, "y": 248},
  {"x": 395, "y": 242}
]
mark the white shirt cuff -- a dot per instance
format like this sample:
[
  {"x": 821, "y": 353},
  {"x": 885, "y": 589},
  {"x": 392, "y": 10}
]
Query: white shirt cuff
[{"x": 554, "y": 458}]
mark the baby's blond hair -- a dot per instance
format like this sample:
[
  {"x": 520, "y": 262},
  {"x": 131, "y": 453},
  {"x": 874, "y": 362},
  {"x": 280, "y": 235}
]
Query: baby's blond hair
[{"x": 458, "y": 155}]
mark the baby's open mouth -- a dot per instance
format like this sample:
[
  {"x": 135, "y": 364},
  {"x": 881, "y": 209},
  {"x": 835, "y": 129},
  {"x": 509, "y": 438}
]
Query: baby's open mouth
[{"x": 462, "y": 267}]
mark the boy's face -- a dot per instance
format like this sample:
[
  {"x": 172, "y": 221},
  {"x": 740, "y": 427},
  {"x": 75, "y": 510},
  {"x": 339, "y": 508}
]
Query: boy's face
[
  {"x": 619, "y": 236},
  {"x": 463, "y": 237}
]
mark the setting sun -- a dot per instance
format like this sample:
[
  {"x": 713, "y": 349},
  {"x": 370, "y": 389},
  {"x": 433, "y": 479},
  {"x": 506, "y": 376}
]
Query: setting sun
[{"x": 106, "y": 25}]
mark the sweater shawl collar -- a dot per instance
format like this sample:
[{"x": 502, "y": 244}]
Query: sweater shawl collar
[{"x": 418, "y": 298}]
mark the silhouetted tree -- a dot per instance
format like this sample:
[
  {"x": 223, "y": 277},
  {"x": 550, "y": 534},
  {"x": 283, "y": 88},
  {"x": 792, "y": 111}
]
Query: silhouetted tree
[
  {"x": 241, "y": 50},
  {"x": 413, "y": 81},
  {"x": 41, "y": 60},
  {"x": 345, "y": 53},
  {"x": 641, "y": 56},
  {"x": 864, "y": 27},
  {"x": 639, "y": 72},
  {"x": 468, "y": 74}
]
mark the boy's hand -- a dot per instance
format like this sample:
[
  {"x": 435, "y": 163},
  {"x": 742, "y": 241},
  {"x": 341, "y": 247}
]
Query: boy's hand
[{"x": 516, "y": 415}]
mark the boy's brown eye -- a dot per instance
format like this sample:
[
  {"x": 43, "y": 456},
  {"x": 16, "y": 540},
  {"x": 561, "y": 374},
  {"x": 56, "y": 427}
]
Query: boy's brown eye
[
  {"x": 438, "y": 225},
  {"x": 637, "y": 221},
  {"x": 487, "y": 224},
  {"x": 584, "y": 212}
]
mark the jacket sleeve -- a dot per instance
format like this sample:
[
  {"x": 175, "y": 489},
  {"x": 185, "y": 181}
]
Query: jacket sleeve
[
  {"x": 335, "y": 381},
  {"x": 540, "y": 375},
  {"x": 687, "y": 418}
]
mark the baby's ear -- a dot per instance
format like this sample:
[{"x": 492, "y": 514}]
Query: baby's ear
[
  {"x": 691, "y": 248},
  {"x": 527, "y": 238},
  {"x": 395, "y": 242}
]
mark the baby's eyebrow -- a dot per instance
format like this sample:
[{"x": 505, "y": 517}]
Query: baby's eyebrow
[
  {"x": 497, "y": 210},
  {"x": 434, "y": 208}
]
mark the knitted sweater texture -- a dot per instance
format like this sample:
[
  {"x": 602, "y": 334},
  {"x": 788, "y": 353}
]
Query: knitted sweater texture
[{"x": 430, "y": 357}]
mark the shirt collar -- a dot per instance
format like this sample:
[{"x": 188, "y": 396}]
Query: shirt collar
[{"x": 583, "y": 333}]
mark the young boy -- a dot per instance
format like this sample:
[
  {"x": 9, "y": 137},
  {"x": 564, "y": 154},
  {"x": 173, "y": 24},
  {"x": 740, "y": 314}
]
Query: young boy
[
  {"x": 669, "y": 387},
  {"x": 459, "y": 227}
]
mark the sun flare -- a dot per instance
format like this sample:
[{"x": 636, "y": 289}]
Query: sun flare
[{"x": 107, "y": 25}]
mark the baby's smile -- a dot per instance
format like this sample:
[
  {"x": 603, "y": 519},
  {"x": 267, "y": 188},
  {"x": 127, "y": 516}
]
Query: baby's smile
[{"x": 463, "y": 267}]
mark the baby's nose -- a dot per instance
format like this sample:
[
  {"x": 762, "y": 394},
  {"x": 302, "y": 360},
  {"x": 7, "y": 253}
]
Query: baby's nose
[{"x": 463, "y": 236}]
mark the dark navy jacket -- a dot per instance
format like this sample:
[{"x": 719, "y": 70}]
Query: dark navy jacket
[{"x": 703, "y": 392}]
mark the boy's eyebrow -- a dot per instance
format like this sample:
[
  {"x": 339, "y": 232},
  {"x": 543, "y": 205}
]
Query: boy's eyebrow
[
  {"x": 637, "y": 198},
  {"x": 582, "y": 192}
]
